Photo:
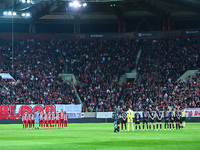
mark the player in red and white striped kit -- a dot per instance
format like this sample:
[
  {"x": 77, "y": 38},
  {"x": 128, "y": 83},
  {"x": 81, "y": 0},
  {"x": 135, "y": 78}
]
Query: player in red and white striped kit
[
  {"x": 45, "y": 120},
  {"x": 49, "y": 119},
  {"x": 57, "y": 119},
  {"x": 25, "y": 119},
  {"x": 65, "y": 119},
  {"x": 53, "y": 119},
  {"x": 29, "y": 119},
  {"x": 41, "y": 119},
  {"x": 32, "y": 120},
  {"x": 61, "y": 118}
]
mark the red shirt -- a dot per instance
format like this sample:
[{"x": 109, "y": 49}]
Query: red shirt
[
  {"x": 53, "y": 116},
  {"x": 45, "y": 117},
  {"x": 61, "y": 115},
  {"x": 32, "y": 117},
  {"x": 65, "y": 116},
  {"x": 41, "y": 116},
  {"x": 57, "y": 116},
  {"x": 25, "y": 116},
  {"x": 49, "y": 116},
  {"x": 29, "y": 116}
]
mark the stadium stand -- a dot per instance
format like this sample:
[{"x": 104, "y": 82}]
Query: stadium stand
[
  {"x": 161, "y": 63},
  {"x": 98, "y": 65},
  {"x": 36, "y": 71}
]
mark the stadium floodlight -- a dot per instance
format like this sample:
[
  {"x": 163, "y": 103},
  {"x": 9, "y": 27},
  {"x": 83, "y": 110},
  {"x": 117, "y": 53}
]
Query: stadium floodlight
[
  {"x": 9, "y": 13},
  {"x": 28, "y": 14},
  {"x": 70, "y": 4},
  {"x": 5, "y": 13},
  {"x": 113, "y": 5},
  {"x": 76, "y": 4},
  {"x": 27, "y": 1},
  {"x": 84, "y": 4},
  {"x": 23, "y": 14}
]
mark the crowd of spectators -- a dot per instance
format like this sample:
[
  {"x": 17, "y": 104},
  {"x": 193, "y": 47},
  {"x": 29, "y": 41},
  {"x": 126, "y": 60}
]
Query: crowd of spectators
[
  {"x": 161, "y": 63},
  {"x": 98, "y": 66},
  {"x": 35, "y": 69}
]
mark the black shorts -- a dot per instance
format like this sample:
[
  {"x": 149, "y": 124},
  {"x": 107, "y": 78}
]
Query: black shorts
[
  {"x": 172, "y": 120},
  {"x": 137, "y": 122},
  {"x": 183, "y": 119},
  {"x": 158, "y": 120},
  {"x": 117, "y": 122},
  {"x": 177, "y": 120},
  {"x": 180, "y": 120},
  {"x": 123, "y": 121},
  {"x": 151, "y": 121},
  {"x": 145, "y": 121},
  {"x": 167, "y": 121}
]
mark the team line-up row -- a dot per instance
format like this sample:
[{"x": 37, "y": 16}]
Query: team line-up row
[
  {"x": 44, "y": 120},
  {"x": 171, "y": 118}
]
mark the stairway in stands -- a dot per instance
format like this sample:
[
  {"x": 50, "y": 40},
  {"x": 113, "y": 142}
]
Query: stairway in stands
[
  {"x": 69, "y": 77},
  {"x": 132, "y": 74}
]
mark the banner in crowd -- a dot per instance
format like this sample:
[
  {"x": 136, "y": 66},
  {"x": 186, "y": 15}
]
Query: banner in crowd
[
  {"x": 189, "y": 112},
  {"x": 104, "y": 114},
  {"x": 192, "y": 112},
  {"x": 17, "y": 111}
]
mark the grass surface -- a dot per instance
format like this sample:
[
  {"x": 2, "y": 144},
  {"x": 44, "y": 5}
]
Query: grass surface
[{"x": 98, "y": 136}]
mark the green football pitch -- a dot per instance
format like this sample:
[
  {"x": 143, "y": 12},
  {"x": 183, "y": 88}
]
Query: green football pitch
[{"x": 98, "y": 136}]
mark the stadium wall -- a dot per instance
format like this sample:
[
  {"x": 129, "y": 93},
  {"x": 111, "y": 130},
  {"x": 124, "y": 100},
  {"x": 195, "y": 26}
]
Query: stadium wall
[
  {"x": 88, "y": 120},
  {"x": 84, "y": 120},
  {"x": 13, "y": 113},
  {"x": 134, "y": 35}
]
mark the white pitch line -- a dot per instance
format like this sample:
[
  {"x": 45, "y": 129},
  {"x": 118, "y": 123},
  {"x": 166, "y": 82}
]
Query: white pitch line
[{"x": 192, "y": 129}]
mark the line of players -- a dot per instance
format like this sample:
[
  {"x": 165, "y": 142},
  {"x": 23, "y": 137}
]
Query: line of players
[
  {"x": 46, "y": 120},
  {"x": 171, "y": 118}
]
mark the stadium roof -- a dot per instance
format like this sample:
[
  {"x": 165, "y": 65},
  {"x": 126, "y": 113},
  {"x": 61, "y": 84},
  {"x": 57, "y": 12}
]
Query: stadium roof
[{"x": 51, "y": 11}]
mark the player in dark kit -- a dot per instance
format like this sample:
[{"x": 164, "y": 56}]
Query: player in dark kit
[
  {"x": 172, "y": 117},
  {"x": 151, "y": 119},
  {"x": 123, "y": 120},
  {"x": 180, "y": 120},
  {"x": 159, "y": 118},
  {"x": 177, "y": 119},
  {"x": 116, "y": 121},
  {"x": 137, "y": 120},
  {"x": 145, "y": 119},
  {"x": 166, "y": 117}
]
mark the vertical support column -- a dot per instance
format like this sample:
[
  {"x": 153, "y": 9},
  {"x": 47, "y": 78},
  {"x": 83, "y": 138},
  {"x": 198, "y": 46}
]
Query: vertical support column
[
  {"x": 124, "y": 26},
  {"x": 31, "y": 28},
  {"x": 76, "y": 26},
  {"x": 121, "y": 26},
  {"x": 163, "y": 24},
  {"x": 168, "y": 23}
]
